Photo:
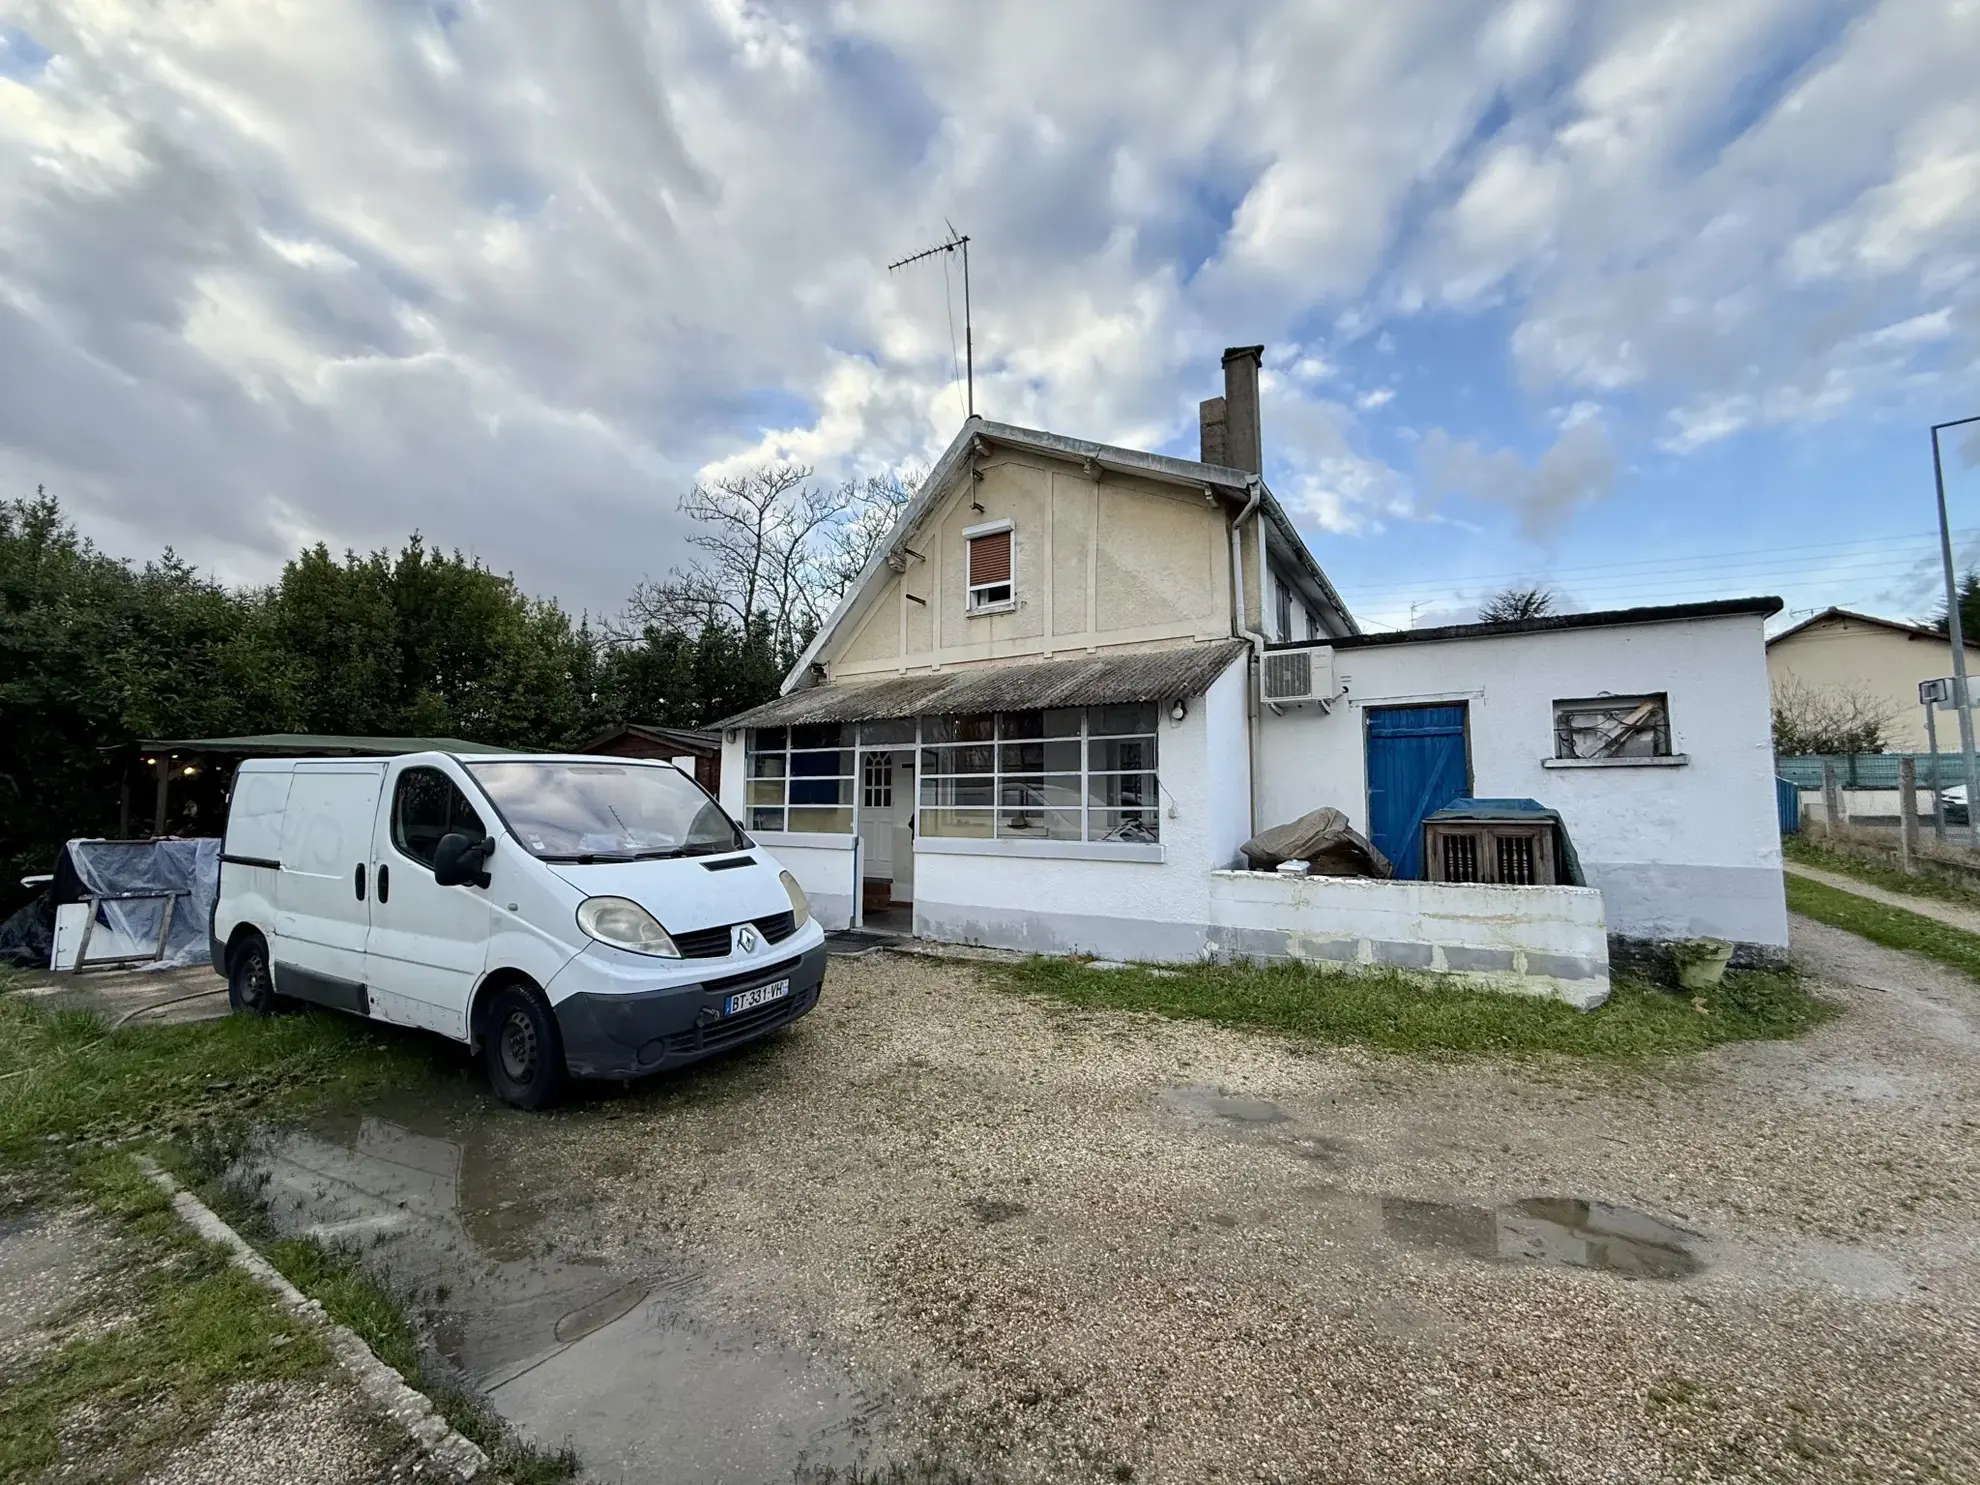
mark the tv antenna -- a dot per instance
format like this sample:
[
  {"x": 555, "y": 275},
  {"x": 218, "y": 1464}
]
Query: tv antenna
[{"x": 957, "y": 242}]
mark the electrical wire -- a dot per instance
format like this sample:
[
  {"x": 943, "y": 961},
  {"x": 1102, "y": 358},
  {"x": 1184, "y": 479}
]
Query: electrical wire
[
  {"x": 1727, "y": 564},
  {"x": 1682, "y": 583}
]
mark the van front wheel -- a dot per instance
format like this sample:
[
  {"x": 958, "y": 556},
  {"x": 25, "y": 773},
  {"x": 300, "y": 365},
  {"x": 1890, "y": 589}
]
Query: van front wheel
[{"x": 524, "y": 1052}]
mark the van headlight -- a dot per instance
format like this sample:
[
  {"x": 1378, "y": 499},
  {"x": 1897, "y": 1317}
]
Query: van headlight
[
  {"x": 800, "y": 904},
  {"x": 624, "y": 924}
]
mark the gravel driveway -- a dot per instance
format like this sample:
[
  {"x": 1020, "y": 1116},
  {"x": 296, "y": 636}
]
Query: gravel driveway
[{"x": 1047, "y": 1244}]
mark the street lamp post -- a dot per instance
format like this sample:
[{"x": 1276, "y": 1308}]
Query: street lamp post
[{"x": 1958, "y": 639}]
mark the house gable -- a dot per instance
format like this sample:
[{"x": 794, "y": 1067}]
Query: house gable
[
  {"x": 1877, "y": 659},
  {"x": 1099, "y": 559},
  {"x": 1110, "y": 547}
]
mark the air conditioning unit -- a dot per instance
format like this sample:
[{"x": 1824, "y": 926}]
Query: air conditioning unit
[{"x": 1297, "y": 677}]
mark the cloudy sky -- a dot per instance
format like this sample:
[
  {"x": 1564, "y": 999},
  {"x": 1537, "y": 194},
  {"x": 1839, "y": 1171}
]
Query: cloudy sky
[{"x": 1652, "y": 300}]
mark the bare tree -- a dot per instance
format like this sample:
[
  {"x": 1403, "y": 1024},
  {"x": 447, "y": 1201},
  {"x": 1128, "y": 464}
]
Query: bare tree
[
  {"x": 1829, "y": 719},
  {"x": 1532, "y": 601},
  {"x": 777, "y": 550},
  {"x": 874, "y": 506}
]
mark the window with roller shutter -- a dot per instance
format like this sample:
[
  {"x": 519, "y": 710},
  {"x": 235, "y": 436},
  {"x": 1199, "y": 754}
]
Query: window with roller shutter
[{"x": 990, "y": 569}]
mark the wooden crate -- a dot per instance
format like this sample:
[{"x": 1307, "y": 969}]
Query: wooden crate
[{"x": 1507, "y": 852}]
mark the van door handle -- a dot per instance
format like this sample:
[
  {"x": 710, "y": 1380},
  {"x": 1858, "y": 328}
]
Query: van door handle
[
  {"x": 384, "y": 882},
  {"x": 360, "y": 881}
]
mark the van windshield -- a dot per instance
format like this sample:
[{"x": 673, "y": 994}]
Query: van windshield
[{"x": 606, "y": 811}]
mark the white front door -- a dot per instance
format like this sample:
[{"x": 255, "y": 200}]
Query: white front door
[
  {"x": 876, "y": 816},
  {"x": 428, "y": 943}
]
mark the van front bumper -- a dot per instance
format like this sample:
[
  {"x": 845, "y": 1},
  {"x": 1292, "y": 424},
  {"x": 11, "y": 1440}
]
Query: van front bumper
[{"x": 628, "y": 1034}]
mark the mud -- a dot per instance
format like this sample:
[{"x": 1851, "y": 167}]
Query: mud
[{"x": 617, "y": 1360}]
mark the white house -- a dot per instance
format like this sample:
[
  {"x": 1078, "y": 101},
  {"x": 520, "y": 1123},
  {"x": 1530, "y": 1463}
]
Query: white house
[{"x": 1076, "y": 678}]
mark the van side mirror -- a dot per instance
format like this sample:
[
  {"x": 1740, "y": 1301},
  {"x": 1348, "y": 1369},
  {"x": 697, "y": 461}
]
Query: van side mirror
[{"x": 458, "y": 860}]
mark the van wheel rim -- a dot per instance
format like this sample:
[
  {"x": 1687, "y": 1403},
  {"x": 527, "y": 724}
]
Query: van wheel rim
[
  {"x": 518, "y": 1045},
  {"x": 254, "y": 976}
]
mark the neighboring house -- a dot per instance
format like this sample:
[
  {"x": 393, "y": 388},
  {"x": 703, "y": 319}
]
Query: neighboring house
[
  {"x": 1882, "y": 659},
  {"x": 1077, "y": 678},
  {"x": 698, "y": 752}
]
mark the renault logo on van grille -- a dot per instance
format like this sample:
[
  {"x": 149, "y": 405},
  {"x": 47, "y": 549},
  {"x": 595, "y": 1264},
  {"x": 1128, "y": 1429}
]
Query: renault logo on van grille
[{"x": 746, "y": 939}]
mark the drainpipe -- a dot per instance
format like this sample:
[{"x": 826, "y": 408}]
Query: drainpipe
[{"x": 1256, "y": 659}]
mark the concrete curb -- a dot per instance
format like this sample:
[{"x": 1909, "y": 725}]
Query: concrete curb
[{"x": 409, "y": 1408}]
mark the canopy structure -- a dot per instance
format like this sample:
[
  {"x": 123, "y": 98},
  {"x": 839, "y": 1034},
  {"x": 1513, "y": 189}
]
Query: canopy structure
[
  {"x": 189, "y": 758},
  {"x": 319, "y": 745},
  {"x": 1094, "y": 680}
]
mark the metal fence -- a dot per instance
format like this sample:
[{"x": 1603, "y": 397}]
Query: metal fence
[{"x": 1870, "y": 770}]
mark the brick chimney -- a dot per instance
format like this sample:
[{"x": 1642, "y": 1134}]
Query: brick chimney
[
  {"x": 1210, "y": 424},
  {"x": 1242, "y": 443}
]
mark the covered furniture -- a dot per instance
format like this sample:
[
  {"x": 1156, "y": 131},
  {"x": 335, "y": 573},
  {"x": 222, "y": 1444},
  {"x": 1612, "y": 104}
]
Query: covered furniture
[{"x": 1509, "y": 842}]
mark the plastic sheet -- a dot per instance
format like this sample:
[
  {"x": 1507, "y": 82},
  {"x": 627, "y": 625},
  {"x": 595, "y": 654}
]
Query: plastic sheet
[{"x": 123, "y": 868}]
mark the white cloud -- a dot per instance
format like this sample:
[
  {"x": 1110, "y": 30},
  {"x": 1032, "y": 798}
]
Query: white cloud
[
  {"x": 1318, "y": 466},
  {"x": 516, "y": 278},
  {"x": 1578, "y": 469}
]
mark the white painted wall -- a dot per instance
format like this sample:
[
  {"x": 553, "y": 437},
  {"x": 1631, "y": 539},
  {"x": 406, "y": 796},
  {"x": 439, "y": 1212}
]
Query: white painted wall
[
  {"x": 733, "y": 763},
  {"x": 1149, "y": 910},
  {"x": 1678, "y": 852},
  {"x": 825, "y": 866},
  {"x": 1530, "y": 940},
  {"x": 1226, "y": 778}
]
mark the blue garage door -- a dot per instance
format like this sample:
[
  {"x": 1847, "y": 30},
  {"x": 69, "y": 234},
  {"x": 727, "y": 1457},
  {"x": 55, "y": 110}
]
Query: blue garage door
[{"x": 1416, "y": 764}]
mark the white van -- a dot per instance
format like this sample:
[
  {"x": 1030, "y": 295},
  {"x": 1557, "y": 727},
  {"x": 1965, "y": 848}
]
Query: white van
[{"x": 597, "y": 916}]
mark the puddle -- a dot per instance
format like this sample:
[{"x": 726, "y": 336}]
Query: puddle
[
  {"x": 1559, "y": 1231},
  {"x": 620, "y": 1364},
  {"x": 1201, "y": 1102},
  {"x": 990, "y": 1211},
  {"x": 1550, "y": 1230}
]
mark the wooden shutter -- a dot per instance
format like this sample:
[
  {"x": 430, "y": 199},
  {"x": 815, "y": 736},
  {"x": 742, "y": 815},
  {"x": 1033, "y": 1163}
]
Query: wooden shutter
[{"x": 990, "y": 559}]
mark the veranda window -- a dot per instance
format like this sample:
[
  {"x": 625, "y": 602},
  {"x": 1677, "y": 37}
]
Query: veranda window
[
  {"x": 801, "y": 778},
  {"x": 1071, "y": 774}
]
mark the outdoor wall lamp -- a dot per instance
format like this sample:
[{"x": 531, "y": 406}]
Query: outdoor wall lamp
[{"x": 1179, "y": 710}]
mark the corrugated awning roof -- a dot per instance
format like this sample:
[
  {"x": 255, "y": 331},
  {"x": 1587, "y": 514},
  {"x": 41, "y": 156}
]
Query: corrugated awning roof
[
  {"x": 317, "y": 742},
  {"x": 1097, "y": 680}
]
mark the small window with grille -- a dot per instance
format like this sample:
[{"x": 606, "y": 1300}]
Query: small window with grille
[
  {"x": 1613, "y": 727},
  {"x": 877, "y": 781},
  {"x": 989, "y": 560}
]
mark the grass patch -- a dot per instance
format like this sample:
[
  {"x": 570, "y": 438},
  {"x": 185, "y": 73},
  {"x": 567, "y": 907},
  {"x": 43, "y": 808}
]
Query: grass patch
[
  {"x": 1892, "y": 927},
  {"x": 178, "y": 1326},
  {"x": 188, "y": 1093},
  {"x": 1432, "y": 1018},
  {"x": 1877, "y": 873},
  {"x": 65, "y": 1076}
]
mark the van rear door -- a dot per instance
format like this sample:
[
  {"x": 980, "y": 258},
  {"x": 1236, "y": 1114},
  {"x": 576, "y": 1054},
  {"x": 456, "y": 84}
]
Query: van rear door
[{"x": 322, "y": 906}]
